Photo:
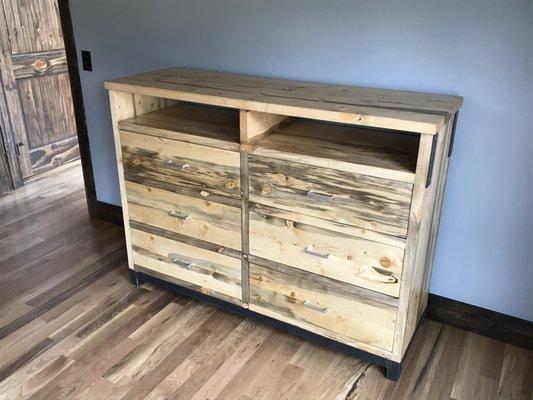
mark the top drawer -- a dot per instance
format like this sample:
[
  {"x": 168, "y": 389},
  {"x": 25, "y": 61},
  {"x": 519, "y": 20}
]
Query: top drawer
[
  {"x": 377, "y": 204},
  {"x": 196, "y": 170}
]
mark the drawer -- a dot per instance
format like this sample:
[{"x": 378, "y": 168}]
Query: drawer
[
  {"x": 372, "y": 265},
  {"x": 321, "y": 308},
  {"x": 189, "y": 216},
  {"x": 179, "y": 166},
  {"x": 206, "y": 271},
  {"x": 377, "y": 204}
]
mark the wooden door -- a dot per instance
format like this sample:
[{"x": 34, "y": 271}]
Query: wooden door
[{"x": 36, "y": 85}]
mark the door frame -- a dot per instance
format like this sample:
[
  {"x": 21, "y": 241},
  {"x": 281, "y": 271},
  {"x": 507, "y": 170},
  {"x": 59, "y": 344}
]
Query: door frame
[{"x": 79, "y": 108}]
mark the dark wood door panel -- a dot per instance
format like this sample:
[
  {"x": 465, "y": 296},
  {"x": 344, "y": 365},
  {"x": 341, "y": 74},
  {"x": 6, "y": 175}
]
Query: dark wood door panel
[
  {"x": 47, "y": 108},
  {"x": 54, "y": 154},
  {"x": 33, "y": 25}
]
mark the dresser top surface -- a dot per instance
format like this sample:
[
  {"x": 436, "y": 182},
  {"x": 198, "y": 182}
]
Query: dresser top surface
[{"x": 380, "y": 108}]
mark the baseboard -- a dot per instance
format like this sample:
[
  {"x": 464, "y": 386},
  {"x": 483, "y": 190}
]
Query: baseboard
[
  {"x": 482, "y": 321},
  {"x": 108, "y": 212}
]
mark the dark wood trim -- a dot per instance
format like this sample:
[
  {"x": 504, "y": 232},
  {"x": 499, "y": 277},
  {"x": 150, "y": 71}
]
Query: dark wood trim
[
  {"x": 482, "y": 321},
  {"x": 392, "y": 368},
  {"x": 79, "y": 108},
  {"x": 108, "y": 212}
]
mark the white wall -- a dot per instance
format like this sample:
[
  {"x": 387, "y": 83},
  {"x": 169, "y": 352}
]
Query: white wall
[{"x": 481, "y": 50}]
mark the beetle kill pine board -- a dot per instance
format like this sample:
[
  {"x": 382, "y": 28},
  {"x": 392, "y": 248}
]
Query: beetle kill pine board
[
  {"x": 368, "y": 264},
  {"x": 380, "y": 205},
  {"x": 299, "y": 201}
]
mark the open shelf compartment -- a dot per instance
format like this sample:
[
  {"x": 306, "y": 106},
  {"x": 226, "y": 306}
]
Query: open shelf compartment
[
  {"x": 391, "y": 154},
  {"x": 184, "y": 120}
]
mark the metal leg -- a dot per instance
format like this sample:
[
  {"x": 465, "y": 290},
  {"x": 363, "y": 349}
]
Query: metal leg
[
  {"x": 137, "y": 278},
  {"x": 393, "y": 370}
]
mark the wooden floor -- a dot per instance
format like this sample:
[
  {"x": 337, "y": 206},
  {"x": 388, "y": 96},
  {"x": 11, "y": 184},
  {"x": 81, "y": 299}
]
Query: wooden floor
[{"x": 73, "y": 327}]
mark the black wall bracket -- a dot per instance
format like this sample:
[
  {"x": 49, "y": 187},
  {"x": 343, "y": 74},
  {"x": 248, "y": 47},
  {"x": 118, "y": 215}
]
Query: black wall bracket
[
  {"x": 432, "y": 159},
  {"x": 450, "y": 149}
]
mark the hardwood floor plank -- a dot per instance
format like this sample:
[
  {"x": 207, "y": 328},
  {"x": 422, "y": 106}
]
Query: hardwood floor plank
[
  {"x": 515, "y": 381},
  {"x": 90, "y": 365},
  {"x": 32, "y": 381},
  {"x": 53, "y": 301},
  {"x": 272, "y": 350},
  {"x": 147, "y": 380},
  {"x": 470, "y": 380},
  {"x": 25, "y": 358},
  {"x": 184, "y": 381},
  {"x": 64, "y": 290},
  {"x": 233, "y": 363},
  {"x": 167, "y": 337},
  {"x": 313, "y": 360},
  {"x": 271, "y": 371},
  {"x": 440, "y": 382}
]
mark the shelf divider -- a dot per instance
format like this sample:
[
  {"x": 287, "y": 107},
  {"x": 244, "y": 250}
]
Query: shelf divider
[{"x": 254, "y": 124}]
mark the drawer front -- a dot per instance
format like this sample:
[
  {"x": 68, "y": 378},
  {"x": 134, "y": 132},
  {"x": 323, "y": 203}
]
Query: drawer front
[
  {"x": 206, "y": 271},
  {"x": 372, "y": 265},
  {"x": 318, "y": 307},
  {"x": 189, "y": 216},
  {"x": 199, "y": 170},
  {"x": 376, "y": 204}
]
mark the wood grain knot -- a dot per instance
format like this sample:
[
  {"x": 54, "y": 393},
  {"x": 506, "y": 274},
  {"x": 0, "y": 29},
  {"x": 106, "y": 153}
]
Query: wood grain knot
[
  {"x": 40, "y": 65},
  {"x": 266, "y": 190},
  {"x": 385, "y": 262},
  {"x": 281, "y": 178},
  {"x": 231, "y": 185}
]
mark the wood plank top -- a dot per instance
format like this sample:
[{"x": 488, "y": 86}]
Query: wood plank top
[{"x": 379, "y": 108}]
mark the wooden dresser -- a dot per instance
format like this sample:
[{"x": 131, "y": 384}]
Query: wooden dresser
[{"x": 313, "y": 205}]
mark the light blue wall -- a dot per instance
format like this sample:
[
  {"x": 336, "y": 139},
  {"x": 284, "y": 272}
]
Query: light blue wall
[{"x": 481, "y": 50}]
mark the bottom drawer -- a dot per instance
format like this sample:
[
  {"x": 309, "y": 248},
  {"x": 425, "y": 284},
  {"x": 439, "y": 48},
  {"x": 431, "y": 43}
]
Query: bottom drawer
[
  {"x": 321, "y": 309},
  {"x": 205, "y": 271}
]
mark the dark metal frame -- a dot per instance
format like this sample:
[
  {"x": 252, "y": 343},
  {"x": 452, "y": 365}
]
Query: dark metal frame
[
  {"x": 429, "y": 175},
  {"x": 392, "y": 368},
  {"x": 452, "y": 139}
]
